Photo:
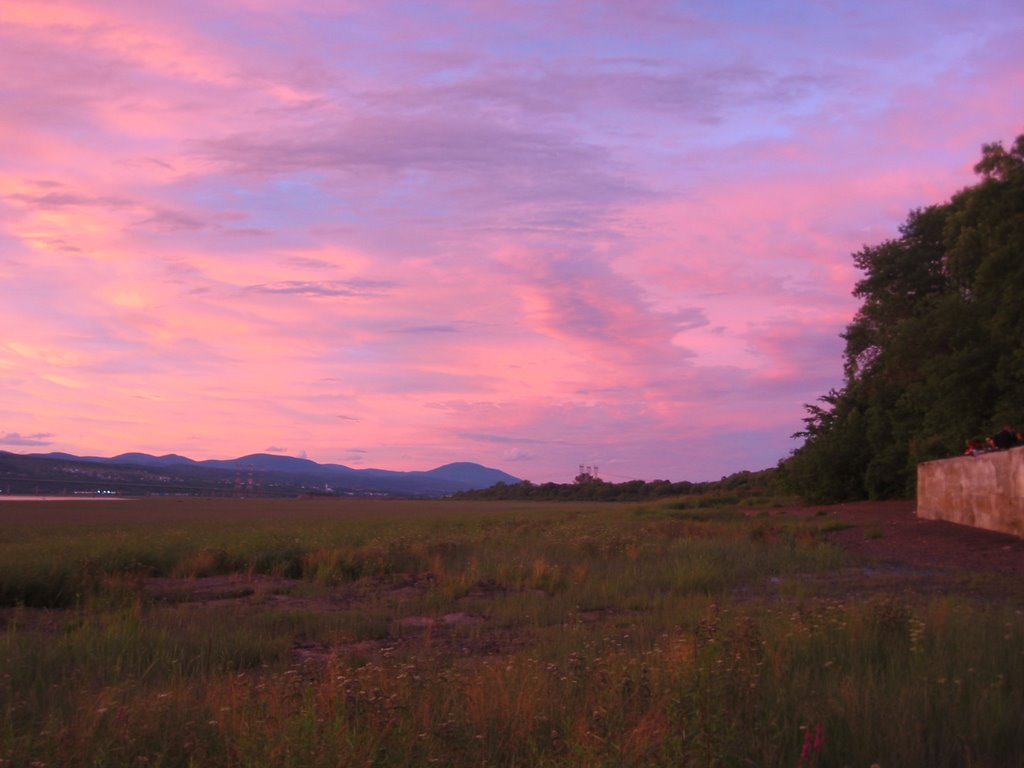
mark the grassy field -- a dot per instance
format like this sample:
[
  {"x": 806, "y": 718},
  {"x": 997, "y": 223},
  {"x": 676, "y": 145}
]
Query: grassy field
[{"x": 192, "y": 632}]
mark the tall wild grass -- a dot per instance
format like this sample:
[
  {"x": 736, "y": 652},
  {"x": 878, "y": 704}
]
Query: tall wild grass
[{"x": 473, "y": 634}]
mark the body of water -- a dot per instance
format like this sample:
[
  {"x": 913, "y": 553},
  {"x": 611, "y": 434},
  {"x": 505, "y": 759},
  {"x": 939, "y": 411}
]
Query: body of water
[{"x": 13, "y": 497}]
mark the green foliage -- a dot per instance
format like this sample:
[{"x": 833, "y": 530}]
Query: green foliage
[
  {"x": 744, "y": 487},
  {"x": 935, "y": 354}
]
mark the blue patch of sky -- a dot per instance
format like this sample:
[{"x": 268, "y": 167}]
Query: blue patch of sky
[
  {"x": 416, "y": 190},
  {"x": 291, "y": 204}
]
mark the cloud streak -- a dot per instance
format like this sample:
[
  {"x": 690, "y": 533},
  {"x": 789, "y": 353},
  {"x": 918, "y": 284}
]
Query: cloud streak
[
  {"x": 16, "y": 439},
  {"x": 617, "y": 234}
]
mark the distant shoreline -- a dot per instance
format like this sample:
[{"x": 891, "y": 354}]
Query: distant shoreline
[{"x": 12, "y": 497}]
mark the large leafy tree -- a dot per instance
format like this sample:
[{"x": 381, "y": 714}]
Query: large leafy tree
[{"x": 935, "y": 353}]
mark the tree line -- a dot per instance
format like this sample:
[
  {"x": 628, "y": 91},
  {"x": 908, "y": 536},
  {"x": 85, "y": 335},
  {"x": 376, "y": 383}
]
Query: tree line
[
  {"x": 935, "y": 354},
  {"x": 740, "y": 486}
]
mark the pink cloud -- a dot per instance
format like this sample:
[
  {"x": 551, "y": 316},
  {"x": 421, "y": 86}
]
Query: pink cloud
[
  {"x": 36, "y": 439},
  {"x": 614, "y": 234}
]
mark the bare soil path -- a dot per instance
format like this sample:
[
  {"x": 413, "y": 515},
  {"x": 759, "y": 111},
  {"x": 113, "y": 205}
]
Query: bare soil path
[{"x": 930, "y": 556}]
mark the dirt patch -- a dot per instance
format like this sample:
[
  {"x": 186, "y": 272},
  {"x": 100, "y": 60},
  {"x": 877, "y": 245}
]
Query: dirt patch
[
  {"x": 449, "y": 619},
  {"x": 894, "y": 549},
  {"x": 209, "y": 589},
  {"x": 890, "y": 531}
]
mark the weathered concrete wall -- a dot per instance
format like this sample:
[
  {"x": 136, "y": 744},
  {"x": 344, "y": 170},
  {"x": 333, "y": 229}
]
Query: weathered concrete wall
[{"x": 986, "y": 491}]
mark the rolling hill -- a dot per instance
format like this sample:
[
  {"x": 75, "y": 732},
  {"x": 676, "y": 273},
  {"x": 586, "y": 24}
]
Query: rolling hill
[{"x": 253, "y": 474}]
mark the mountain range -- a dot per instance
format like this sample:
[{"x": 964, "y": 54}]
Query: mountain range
[{"x": 255, "y": 474}]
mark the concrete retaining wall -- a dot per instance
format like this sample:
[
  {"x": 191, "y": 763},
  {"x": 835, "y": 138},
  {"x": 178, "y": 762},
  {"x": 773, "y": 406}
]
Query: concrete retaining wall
[{"x": 986, "y": 491}]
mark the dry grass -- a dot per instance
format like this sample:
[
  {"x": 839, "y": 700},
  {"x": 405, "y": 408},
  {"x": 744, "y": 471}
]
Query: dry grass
[{"x": 416, "y": 634}]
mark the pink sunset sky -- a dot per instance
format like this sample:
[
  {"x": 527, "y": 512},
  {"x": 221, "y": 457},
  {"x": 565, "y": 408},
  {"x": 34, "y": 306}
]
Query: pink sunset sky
[{"x": 528, "y": 234}]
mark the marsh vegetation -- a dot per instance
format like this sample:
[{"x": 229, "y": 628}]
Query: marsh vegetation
[{"x": 327, "y": 633}]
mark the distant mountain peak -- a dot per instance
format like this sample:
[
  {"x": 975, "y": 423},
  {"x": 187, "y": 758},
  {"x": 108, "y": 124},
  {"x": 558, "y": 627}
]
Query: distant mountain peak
[
  {"x": 280, "y": 471},
  {"x": 147, "y": 460},
  {"x": 476, "y": 475}
]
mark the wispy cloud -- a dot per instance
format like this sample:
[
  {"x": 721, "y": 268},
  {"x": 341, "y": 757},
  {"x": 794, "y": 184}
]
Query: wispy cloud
[
  {"x": 55, "y": 200},
  {"x": 485, "y": 438},
  {"x": 328, "y": 288},
  {"x": 601, "y": 233},
  {"x": 429, "y": 329},
  {"x": 36, "y": 439}
]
